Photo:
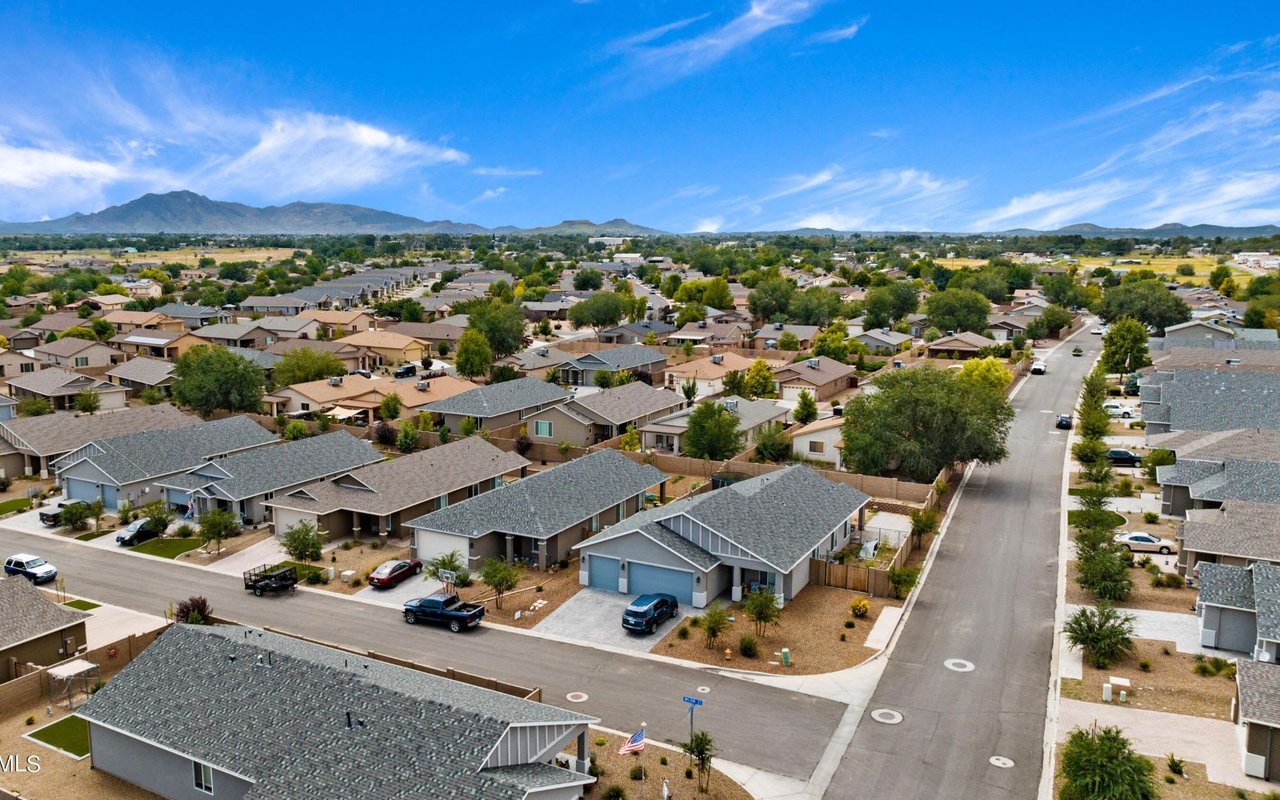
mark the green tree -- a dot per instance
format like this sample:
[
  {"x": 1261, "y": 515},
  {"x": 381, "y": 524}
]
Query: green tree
[
  {"x": 87, "y": 401},
  {"x": 76, "y": 516},
  {"x": 689, "y": 390},
  {"x": 390, "y": 406},
  {"x": 814, "y": 306},
  {"x": 474, "y": 357},
  {"x": 773, "y": 444},
  {"x": 34, "y": 407},
  {"x": 501, "y": 373},
  {"x": 903, "y": 580},
  {"x": 435, "y": 567},
  {"x": 1103, "y": 634},
  {"x": 216, "y": 525},
  {"x": 701, "y": 748},
  {"x": 771, "y": 298},
  {"x": 761, "y": 607},
  {"x": 958, "y": 310},
  {"x": 692, "y": 311},
  {"x": 1148, "y": 301},
  {"x": 758, "y": 382},
  {"x": 585, "y": 280},
  {"x": 302, "y": 541},
  {"x": 986, "y": 374},
  {"x": 1219, "y": 276},
  {"x": 733, "y": 384},
  {"x": 806, "y": 410},
  {"x": 598, "y": 312},
  {"x": 1037, "y": 329},
  {"x": 77, "y": 332},
  {"x": 877, "y": 308},
  {"x": 717, "y": 295},
  {"x": 832, "y": 343},
  {"x": 501, "y": 577},
  {"x": 407, "y": 437},
  {"x": 304, "y": 364},
  {"x": 788, "y": 342},
  {"x": 906, "y": 299},
  {"x": 1104, "y": 572},
  {"x": 207, "y": 379},
  {"x": 918, "y": 422},
  {"x": 294, "y": 430},
  {"x": 1100, "y": 764},
  {"x": 713, "y": 432},
  {"x": 151, "y": 396},
  {"x": 502, "y": 324},
  {"x": 1055, "y": 318},
  {"x": 630, "y": 440},
  {"x": 1124, "y": 348}
]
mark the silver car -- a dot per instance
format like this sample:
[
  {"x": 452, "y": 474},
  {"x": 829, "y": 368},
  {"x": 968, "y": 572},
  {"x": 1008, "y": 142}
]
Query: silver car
[{"x": 1139, "y": 542}]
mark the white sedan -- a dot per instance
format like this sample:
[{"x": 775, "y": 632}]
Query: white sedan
[{"x": 1139, "y": 542}]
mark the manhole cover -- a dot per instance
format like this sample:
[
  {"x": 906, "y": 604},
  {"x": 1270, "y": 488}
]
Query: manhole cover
[
  {"x": 576, "y": 697},
  {"x": 958, "y": 665},
  {"x": 887, "y": 716},
  {"x": 1001, "y": 762},
  {"x": 704, "y": 689}
]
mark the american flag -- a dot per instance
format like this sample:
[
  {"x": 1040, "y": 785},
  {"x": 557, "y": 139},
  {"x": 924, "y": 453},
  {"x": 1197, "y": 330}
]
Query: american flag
[{"x": 634, "y": 745}]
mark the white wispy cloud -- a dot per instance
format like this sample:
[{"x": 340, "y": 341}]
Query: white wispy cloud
[
  {"x": 708, "y": 225},
  {"x": 487, "y": 195},
  {"x": 628, "y": 43},
  {"x": 838, "y": 34},
  {"x": 883, "y": 133},
  {"x": 890, "y": 199},
  {"x": 1054, "y": 208},
  {"x": 506, "y": 172},
  {"x": 695, "y": 190}
]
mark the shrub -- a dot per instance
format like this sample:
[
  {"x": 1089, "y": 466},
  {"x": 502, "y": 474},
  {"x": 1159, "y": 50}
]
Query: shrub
[
  {"x": 844, "y": 638},
  {"x": 463, "y": 579},
  {"x": 5, "y": 483},
  {"x": 848, "y": 623},
  {"x": 31, "y": 720},
  {"x": 193, "y": 611},
  {"x": 601, "y": 741},
  {"x": 682, "y": 632},
  {"x": 688, "y": 773},
  {"x": 747, "y": 646},
  {"x": 185, "y": 531},
  {"x": 1100, "y": 762},
  {"x": 1102, "y": 633},
  {"x": 1104, "y": 573},
  {"x": 563, "y": 563},
  {"x": 903, "y": 580},
  {"x": 1123, "y": 487},
  {"x": 1144, "y": 664},
  {"x": 356, "y": 582},
  {"x": 662, "y": 760},
  {"x": 313, "y": 578},
  {"x": 1166, "y": 651},
  {"x": 637, "y": 773},
  {"x": 1158, "y": 457},
  {"x": 614, "y": 793},
  {"x": 695, "y": 622},
  {"x": 860, "y": 607},
  {"x": 1150, "y": 566},
  {"x": 294, "y": 430},
  {"x": 537, "y": 589},
  {"x": 376, "y": 544},
  {"x": 1150, "y": 517},
  {"x": 1170, "y": 779},
  {"x": 1176, "y": 765}
]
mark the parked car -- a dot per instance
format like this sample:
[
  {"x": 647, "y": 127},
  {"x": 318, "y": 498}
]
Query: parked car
[
  {"x": 648, "y": 611},
  {"x": 1039, "y": 367},
  {"x": 270, "y": 578},
  {"x": 1064, "y": 422},
  {"x": 138, "y": 532},
  {"x": 406, "y": 371},
  {"x": 363, "y": 373},
  {"x": 33, "y": 568},
  {"x": 52, "y": 517},
  {"x": 1115, "y": 408},
  {"x": 1139, "y": 542},
  {"x": 445, "y": 609},
  {"x": 393, "y": 573},
  {"x": 1120, "y": 457},
  {"x": 1101, "y": 330}
]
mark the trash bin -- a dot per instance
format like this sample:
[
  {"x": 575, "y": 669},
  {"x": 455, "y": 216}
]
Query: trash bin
[{"x": 786, "y": 656}]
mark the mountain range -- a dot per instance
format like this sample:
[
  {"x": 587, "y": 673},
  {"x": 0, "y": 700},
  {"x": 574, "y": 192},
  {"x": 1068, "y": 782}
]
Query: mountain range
[{"x": 188, "y": 212}]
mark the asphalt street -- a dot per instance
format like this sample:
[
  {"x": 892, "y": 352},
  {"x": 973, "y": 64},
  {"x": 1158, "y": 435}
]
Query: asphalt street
[
  {"x": 764, "y": 727},
  {"x": 989, "y": 601}
]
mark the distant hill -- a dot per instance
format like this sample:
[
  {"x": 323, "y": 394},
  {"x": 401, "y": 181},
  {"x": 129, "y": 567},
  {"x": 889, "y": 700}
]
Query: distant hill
[
  {"x": 188, "y": 212},
  {"x": 1166, "y": 231}
]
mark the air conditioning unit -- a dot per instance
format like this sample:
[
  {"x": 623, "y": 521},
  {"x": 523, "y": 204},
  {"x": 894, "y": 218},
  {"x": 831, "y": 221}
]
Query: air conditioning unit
[
  {"x": 811, "y": 363},
  {"x": 702, "y": 323},
  {"x": 336, "y": 380},
  {"x": 422, "y": 386},
  {"x": 777, "y": 326},
  {"x": 731, "y": 405},
  {"x": 717, "y": 359},
  {"x": 543, "y": 352}
]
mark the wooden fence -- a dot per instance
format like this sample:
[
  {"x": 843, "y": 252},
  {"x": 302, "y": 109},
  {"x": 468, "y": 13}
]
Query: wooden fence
[
  {"x": 33, "y": 687},
  {"x": 870, "y": 580}
]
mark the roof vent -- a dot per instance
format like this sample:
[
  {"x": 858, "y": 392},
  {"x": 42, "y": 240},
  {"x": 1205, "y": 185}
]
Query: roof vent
[
  {"x": 717, "y": 359},
  {"x": 1233, "y": 362},
  {"x": 811, "y": 363},
  {"x": 422, "y": 386},
  {"x": 335, "y": 380}
]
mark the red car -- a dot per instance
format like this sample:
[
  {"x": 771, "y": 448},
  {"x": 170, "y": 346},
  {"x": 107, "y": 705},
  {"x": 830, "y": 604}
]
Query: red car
[{"x": 392, "y": 573}]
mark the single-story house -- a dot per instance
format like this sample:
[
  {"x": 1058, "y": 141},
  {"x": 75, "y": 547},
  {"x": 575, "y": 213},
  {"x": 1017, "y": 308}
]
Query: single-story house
[
  {"x": 637, "y": 332},
  {"x": 125, "y": 321},
  {"x": 1003, "y": 327},
  {"x": 755, "y": 535},
  {"x": 336, "y": 323},
  {"x": 126, "y": 468},
  {"x": 244, "y": 482},
  {"x": 431, "y": 334},
  {"x": 109, "y": 302},
  {"x": 75, "y": 353},
  {"x": 352, "y": 357},
  {"x": 281, "y": 306},
  {"x": 1215, "y": 467},
  {"x": 962, "y": 345},
  {"x": 711, "y": 332},
  {"x": 1257, "y": 710},
  {"x": 820, "y": 440},
  {"x": 250, "y": 335},
  {"x": 193, "y": 316},
  {"x": 156, "y": 344},
  {"x": 139, "y": 374},
  {"x": 388, "y": 347},
  {"x": 1237, "y": 533},
  {"x": 1239, "y": 608},
  {"x": 358, "y": 727},
  {"x": 291, "y": 327},
  {"x": 35, "y": 629},
  {"x": 599, "y": 416},
  {"x": 14, "y": 363},
  {"x": 40, "y": 440},
  {"x": 541, "y": 517},
  {"x": 536, "y": 362},
  {"x": 355, "y": 399},
  {"x": 708, "y": 373},
  {"x": 820, "y": 376},
  {"x": 666, "y": 434},
  {"x": 60, "y": 387},
  {"x": 883, "y": 341},
  {"x": 497, "y": 405},
  {"x": 55, "y": 324},
  {"x": 379, "y": 498},
  {"x": 767, "y": 337},
  {"x": 1198, "y": 329},
  {"x": 645, "y": 363},
  {"x": 23, "y": 339}
]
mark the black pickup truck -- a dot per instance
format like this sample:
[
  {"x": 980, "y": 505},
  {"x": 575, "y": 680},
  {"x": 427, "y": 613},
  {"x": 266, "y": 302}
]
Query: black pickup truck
[
  {"x": 52, "y": 517},
  {"x": 270, "y": 578},
  {"x": 443, "y": 608}
]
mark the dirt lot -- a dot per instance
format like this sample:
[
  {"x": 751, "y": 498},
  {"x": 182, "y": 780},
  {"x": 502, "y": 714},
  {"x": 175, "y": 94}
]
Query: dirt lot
[
  {"x": 363, "y": 558},
  {"x": 1195, "y": 786},
  {"x": 1143, "y": 595},
  {"x": 229, "y": 547},
  {"x": 1171, "y": 685},
  {"x": 617, "y": 772},
  {"x": 188, "y": 256},
  {"x": 558, "y": 585},
  {"x": 810, "y": 626}
]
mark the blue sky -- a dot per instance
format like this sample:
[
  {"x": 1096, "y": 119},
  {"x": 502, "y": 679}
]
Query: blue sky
[{"x": 686, "y": 116}]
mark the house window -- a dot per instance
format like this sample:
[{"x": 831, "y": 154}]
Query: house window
[
  {"x": 473, "y": 490},
  {"x": 82, "y": 361},
  {"x": 444, "y": 502},
  {"x": 497, "y": 482},
  {"x": 816, "y": 447},
  {"x": 306, "y": 406},
  {"x": 203, "y": 776},
  {"x": 543, "y": 429},
  {"x": 595, "y": 523},
  {"x": 27, "y": 367}
]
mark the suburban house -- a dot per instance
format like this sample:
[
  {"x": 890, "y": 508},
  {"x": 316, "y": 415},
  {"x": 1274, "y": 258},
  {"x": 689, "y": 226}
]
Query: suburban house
[
  {"x": 242, "y": 483},
  {"x": 355, "y": 399},
  {"x": 249, "y": 335},
  {"x": 193, "y": 316},
  {"x": 14, "y": 363},
  {"x": 666, "y": 434},
  {"x": 820, "y": 440},
  {"x": 820, "y": 376},
  {"x": 55, "y": 324},
  {"x": 1257, "y": 687},
  {"x": 962, "y": 345},
  {"x": 125, "y": 321},
  {"x": 431, "y": 334},
  {"x": 1198, "y": 329},
  {"x": 1003, "y": 327},
  {"x": 336, "y": 323},
  {"x": 711, "y": 332},
  {"x": 540, "y": 518},
  {"x": 379, "y": 498},
  {"x": 290, "y": 327},
  {"x": 1239, "y": 608},
  {"x": 599, "y": 416},
  {"x": 359, "y": 728},
  {"x": 23, "y": 339},
  {"x": 156, "y": 344},
  {"x": 767, "y": 337},
  {"x": 645, "y": 363},
  {"x": 35, "y": 629},
  {"x": 261, "y": 358},
  {"x": 352, "y": 357},
  {"x": 637, "y": 332},
  {"x": 8, "y": 408},
  {"x": 40, "y": 440},
  {"x": 108, "y": 302},
  {"x": 139, "y": 374},
  {"x": 708, "y": 373},
  {"x": 1217, "y": 466},
  {"x": 1195, "y": 399},
  {"x": 60, "y": 387},
  {"x": 497, "y": 405},
  {"x": 536, "y": 362},
  {"x": 387, "y": 347},
  {"x": 754, "y": 535},
  {"x": 126, "y": 468},
  {"x": 883, "y": 341},
  {"x": 280, "y": 306},
  {"x": 1237, "y": 533},
  {"x": 76, "y": 353}
]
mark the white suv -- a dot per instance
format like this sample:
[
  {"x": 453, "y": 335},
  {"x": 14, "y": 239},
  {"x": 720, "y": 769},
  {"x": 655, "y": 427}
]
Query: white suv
[
  {"x": 1039, "y": 367},
  {"x": 1114, "y": 408}
]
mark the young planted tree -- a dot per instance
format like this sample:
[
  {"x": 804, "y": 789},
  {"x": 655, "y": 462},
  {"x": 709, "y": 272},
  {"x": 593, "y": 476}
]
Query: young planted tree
[
  {"x": 389, "y": 408},
  {"x": 758, "y": 382},
  {"x": 1104, "y": 572},
  {"x": 762, "y": 608},
  {"x": 75, "y": 516},
  {"x": 773, "y": 444},
  {"x": 302, "y": 541},
  {"x": 701, "y": 748},
  {"x": 630, "y": 440},
  {"x": 689, "y": 390},
  {"x": 713, "y": 432},
  {"x": 715, "y": 620},
  {"x": 407, "y": 437},
  {"x": 216, "y": 525},
  {"x": 1124, "y": 348},
  {"x": 294, "y": 430},
  {"x": 501, "y": 577},
  {"x": 474, "y": 356},
  {"x": 806, "y": 410},
  {"x": 87, "y": 401}
]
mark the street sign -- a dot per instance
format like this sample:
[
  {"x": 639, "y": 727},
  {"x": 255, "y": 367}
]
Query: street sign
[{"x": 693, "y": 701}]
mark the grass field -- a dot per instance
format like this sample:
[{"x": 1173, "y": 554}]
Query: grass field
[
  {"x": 16, "y": 504},
  {"x": 70, "y": 734},
  {"x": 167, "y": 548},
  {"x": 82, "y": 605},
  {"x": 189, "y": 256},
  {"x": 1165, "y": 265},
  {"x": 91, "y": 535}
]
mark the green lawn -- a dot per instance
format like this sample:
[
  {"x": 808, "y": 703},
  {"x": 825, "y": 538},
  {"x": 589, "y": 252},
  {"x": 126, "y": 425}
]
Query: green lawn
[
  {"x": 303, "y": 569},
  {"x": 1075, "y": 514},
  {"x": 70, "y": 734},
  {"x": 167, "y": 548},
  {"x": 82, "y": 605},
  {"x": 91, "y": 535},
  {"x": 16, "y": 504}
]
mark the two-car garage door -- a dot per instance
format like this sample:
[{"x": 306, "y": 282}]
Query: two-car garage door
[
  {"x": 89, "y": 491},
  {"x": 648, "y": 579}
]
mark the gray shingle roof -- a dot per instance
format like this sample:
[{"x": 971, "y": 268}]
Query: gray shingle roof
[
  {"x": 1239, "y": 528},
  {"x": 1259, "y": 686},
  {"x": 58, "y": 381},
  {"x": 150, "y": 454},
  {"x": 750, "y": 413},
  {"x": 188, "y": 311},
  {"x": 1225, "y": 585},
  {"x": 149, "y": 371},
  {"x": 226, "y": 330},
  {"x": 423, "y": 735},
  {"x": 497, "y": 399},
  {"x": 1215, "y": 400},
  {"x": 390, "y": 486},
  {"x": 28, "y": 613},
  {"x": 1266, "y": 599},
  {"x": 55, "y": 434},
  {"x": 260, "y": 357},
  {"x": 544, "y": 504},
  {"x": 625, "y": 403},
  {"x": 618, "y": 358}
]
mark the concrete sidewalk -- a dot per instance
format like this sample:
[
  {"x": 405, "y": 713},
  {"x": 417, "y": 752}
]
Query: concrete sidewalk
[{"x": 1214, "y": 743}]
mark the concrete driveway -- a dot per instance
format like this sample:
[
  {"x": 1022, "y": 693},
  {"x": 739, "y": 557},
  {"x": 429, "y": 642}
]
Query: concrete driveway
[
  {"x": 27, "y": 522},
  {"x": 594, "y": 615},
  {"x": 395, "y": 597}
]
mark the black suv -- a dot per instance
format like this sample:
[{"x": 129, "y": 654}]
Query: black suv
[
  {"x": 1124, "y": 458},
  {"x": 138, "y": 532},
  {"x": 407, "y": 371},
  {"x": 648, "y": 611}
]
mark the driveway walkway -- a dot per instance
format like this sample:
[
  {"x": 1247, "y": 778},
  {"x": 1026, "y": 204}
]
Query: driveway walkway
[
  {"x": 1165, "y": 626},
  {"x": 268, "y": 551},
  {"x": 395, "y": 597},
  {"x": 594, "y": 615}
]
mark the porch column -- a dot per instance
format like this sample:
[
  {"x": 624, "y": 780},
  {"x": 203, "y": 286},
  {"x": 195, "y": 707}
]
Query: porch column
[
  {"x": 862, "y": 518},
  {"x": 26, "y": 464},
  {"x": 44, "y": 467},
  {"x": 736, "y": 591},
  {"x": 584, "y": 759},
  {"x": 542, "y": 554},
  {"x": 511, "y": 548},
  {"x": 662, "y": 492}
]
